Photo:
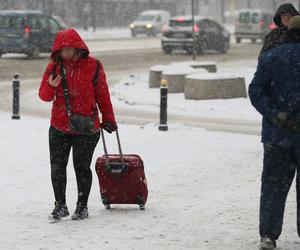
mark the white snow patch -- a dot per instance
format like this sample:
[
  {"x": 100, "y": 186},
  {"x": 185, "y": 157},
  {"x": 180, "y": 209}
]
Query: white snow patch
[
  {"x": 135, "y": 92},
  {"x": 211, "y": 76},
  {"x": 104, "y": 33}
]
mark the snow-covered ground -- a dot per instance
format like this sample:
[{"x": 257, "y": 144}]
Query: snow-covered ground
[
  {"x": 203, "y": 193},
  {"x": 104, "y": 33}
]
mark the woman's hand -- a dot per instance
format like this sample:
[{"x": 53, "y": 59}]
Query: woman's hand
[
  {"x": 54, "y": 82},
  {"x": 109, "y": 127}
]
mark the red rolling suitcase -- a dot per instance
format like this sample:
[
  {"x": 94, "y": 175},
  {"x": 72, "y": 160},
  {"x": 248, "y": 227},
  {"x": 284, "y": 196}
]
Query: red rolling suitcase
[{"x": 121, "y": 177}]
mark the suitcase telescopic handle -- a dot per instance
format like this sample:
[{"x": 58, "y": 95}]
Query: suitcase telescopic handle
[{"x": 119, "y": 146}]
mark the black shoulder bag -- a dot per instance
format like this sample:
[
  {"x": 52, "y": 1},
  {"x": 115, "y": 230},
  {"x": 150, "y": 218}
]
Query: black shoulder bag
[{"x": 78, "y": 123}]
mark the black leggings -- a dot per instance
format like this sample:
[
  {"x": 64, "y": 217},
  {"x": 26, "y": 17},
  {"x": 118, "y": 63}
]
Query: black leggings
[{"x": 83, "y": 147}]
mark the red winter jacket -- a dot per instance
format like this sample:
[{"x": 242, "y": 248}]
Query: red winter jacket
[{"x": 80, "y": 74}]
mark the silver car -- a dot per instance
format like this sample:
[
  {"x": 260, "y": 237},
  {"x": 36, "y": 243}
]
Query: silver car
[{"x": 253, "y": 24}]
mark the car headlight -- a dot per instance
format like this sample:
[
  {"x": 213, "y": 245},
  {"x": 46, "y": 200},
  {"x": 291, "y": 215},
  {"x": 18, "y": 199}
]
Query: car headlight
[
  {"x": 132, "y": 26},
  {"x": 149, "y": 25}
]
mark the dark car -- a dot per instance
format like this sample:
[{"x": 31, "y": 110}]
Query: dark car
[
  {"x": 27, "y": 31},
  {"x": 209, "y": 35}
]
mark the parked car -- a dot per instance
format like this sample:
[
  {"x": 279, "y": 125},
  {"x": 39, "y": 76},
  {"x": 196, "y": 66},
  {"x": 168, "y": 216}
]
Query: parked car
[
  {"x": 27, "y": 31},
  {"x": 209, "y": 35},
  {"x": 253, "y": 24},
  {"x": 150, "y": 22}
]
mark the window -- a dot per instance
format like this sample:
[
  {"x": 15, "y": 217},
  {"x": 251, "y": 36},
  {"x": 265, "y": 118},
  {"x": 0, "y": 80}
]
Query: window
[
  {"x": 43, "y": 22},
  {"x": 145, "y": 18},
  {"x": 54, "y": 27},
  {"x": 180, "y": 23},
  {"x": 11, "y": 22},
  {"x": 245, "y": 17},
  {"x": 255, "y": 18},
  {"x": 203, "y": 26},
  {"x": 32, "y": 22},
  {"x": 211, "y": 27}
]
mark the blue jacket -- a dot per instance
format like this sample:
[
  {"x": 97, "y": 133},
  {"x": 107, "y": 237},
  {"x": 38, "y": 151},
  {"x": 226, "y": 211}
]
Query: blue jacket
[{"x": 275, "y": 88}]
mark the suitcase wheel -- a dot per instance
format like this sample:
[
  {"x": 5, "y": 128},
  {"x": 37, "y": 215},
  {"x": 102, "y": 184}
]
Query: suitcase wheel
[
  {"x": 105, "y": 202},
  {"x": 141, "y": 202}
]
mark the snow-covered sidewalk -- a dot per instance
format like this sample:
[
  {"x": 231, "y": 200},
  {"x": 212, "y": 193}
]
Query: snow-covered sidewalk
[
  {"x": 135, "y": 93},
  {"x": 203, "y": 193}
]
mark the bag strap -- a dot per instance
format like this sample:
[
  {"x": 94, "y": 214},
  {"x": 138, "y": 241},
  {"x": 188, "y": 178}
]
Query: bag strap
[
  {"x": 54, "y": 70},
  {"x": 107, "y": 161},
  {"x": 65, "y": 85},
  {"x": 96, "y": 77},
  {"x": 65, "y": 88}
]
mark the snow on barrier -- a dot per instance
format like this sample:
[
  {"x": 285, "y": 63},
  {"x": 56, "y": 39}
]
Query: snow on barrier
[
  {"x": 156, "y": 74},
  {"x": 156, "y": 71},
  {"x": 209, "y": 65},
  {"x": 176, "y": 74},
  {"x": 214, "y": 86}
]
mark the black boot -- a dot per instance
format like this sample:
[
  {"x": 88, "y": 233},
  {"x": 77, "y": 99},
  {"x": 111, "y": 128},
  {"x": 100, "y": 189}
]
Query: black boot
[
  {"x": 81, "y": 212},
  {"x": 60, "y": 211},
  {"x": 267, "y": 243}
]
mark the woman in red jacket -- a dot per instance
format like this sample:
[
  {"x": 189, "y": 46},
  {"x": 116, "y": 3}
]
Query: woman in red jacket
[{"x": 76, "y": 84}]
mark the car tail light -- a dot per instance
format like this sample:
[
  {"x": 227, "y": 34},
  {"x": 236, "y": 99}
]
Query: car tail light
[
  {"x": 272, "y": 26},
  {"x": 261, "y": 23},
  {"x": 165, "y": 28},
  {"x": 27, "y": 32},
  {"x": 196, "y": 28}
]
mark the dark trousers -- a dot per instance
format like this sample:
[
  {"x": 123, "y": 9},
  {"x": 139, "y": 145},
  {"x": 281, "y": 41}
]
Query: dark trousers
[
  {"x": 280, "y": 166},
  {"x": 83, "y": 147}
]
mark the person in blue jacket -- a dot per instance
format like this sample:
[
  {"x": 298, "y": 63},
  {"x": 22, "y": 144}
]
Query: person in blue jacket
[{"x": 275, "y": 93}]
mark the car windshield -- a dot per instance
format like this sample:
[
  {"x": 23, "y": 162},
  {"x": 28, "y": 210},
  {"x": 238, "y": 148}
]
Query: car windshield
[
  {"x": 11, "y": 22},
  {"x": 145, "y": 18}
]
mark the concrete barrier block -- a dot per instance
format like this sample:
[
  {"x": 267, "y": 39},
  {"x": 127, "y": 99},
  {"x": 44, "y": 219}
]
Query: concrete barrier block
[{"x": 214, "y": 86}]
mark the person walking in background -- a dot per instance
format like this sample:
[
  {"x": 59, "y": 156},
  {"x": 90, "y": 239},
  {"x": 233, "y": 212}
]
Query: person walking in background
[
  {"x": 282, "y": 18},
  {"x": 275, "y": 93},
  {"x": 76, "y": 84}
]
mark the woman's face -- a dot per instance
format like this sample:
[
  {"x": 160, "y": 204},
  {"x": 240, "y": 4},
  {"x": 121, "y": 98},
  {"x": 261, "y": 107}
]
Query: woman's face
[{"x": 68, "y": 53}]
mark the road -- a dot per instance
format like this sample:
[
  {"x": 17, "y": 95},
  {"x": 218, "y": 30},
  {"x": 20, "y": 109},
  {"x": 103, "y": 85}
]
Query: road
[
  {"x": 121, "y": 55},
  {"x": 120, "y": 62}
]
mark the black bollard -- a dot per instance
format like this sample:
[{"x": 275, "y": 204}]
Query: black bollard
[
  {"x": 16, "y": 98},
  {"x": 163, "y": 126}
]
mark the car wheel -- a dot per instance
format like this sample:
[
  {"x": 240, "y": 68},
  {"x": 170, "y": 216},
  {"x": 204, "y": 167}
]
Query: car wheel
[
  {"x": 253, "y": 40},
  {"x": 154, "y": 32},
  {"x": 133, "y": 33},
  {"x": 34, "y": 53},
  {"x": 202, "y": 48},
  {"x": 238, "y": 40},
  {"x": 225, "y": 47},
  {"x": 167, "y": 50}
]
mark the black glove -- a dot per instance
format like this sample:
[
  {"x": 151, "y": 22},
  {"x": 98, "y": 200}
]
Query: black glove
[
  {"x": 109, "y": 126},
  {"x": 293, "y": 125},
  {"x": 281, "y": 119},
  {"x": 286, "y": 121}
]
